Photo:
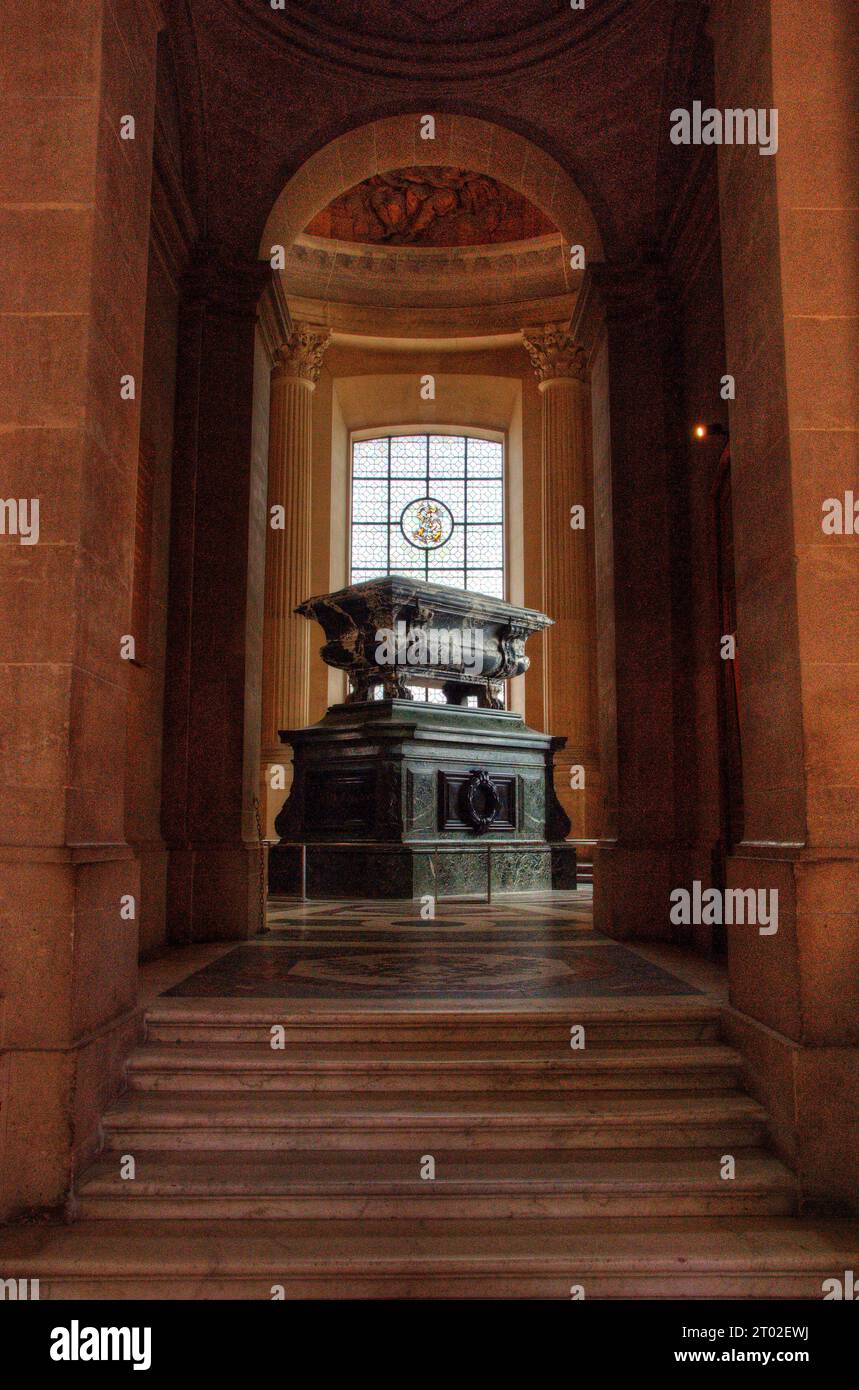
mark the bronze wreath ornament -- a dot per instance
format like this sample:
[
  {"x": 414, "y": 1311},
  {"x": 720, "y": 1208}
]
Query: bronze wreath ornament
[{"x": 479, "y": 801}]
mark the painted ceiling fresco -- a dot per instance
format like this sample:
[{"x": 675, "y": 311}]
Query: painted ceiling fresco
[{"x": 430, "y": 206}]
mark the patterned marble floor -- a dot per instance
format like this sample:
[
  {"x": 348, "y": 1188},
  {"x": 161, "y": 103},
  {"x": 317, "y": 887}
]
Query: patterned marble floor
[{"x": 541, "y": 948}]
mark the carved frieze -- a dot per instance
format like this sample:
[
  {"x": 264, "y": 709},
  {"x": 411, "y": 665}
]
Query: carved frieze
[{"x": 430, "y": 205}]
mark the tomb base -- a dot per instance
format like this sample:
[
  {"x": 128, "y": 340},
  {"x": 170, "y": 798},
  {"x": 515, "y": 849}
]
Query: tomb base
[
  {"x": 442, "y": 871},
  {"x": 403, "y": 799}
]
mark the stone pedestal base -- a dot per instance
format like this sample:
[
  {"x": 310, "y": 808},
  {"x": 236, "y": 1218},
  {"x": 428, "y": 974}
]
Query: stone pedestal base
[
  {"x": 213, "y": 892},
  {"x": 406, "y": 799},
  {"x": 632, "y": 884},
  {"x": 440, "y": 871}
]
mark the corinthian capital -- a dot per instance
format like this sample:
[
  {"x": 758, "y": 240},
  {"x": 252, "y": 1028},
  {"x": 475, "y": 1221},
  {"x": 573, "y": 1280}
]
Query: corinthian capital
[
  {"x": 302, "y": 353},
  {"x": 554, "y": 353}
]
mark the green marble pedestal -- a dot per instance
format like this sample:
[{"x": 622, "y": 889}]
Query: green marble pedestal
[{"x": 400, "y": 798}]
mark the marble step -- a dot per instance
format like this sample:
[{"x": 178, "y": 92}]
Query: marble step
[
  {"x": 376, "y": 1120},
  {"x": 244, "y": 1066},
  {"x": 608, "y": 1024},
  {"x": 690, "y": 1258},
  {"x": 491, "y": 1184}
]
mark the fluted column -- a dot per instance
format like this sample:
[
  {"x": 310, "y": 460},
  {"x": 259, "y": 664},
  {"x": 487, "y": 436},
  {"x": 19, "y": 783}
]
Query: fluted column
[
  {"x": 286, "y": 637},
  {"x": 568, "y": 583}
]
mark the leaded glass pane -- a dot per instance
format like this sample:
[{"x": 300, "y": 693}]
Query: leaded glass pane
[
  {"x": 454, "y": 579},
  {"x": 409, "y": 456},
  {"x": 369, "y": 546},
  {"x": 431, "y": 693},
  {"x": 485, "y": 458},
  {"x": 485, "y": 547},
  {"x": 485, "y": 501},
  {"x": 370, "y": 458},
  {"x": 452, "y": 494},
  {"x": 451, "y": 554},
  {"x": 486, "y": 582},
  {"x": 369, "y": 499},
  {"x": 404, "y": 491},
  {"x": 446, "y": 456},
  {"x": 402, "y": 554}
]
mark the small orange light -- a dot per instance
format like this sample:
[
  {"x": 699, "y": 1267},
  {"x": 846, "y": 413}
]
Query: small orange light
[{"x": 700, "y": 431}]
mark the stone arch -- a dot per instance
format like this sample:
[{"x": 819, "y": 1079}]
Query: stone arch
[
  {"x": 395, "y": 141},
  {"x": 474, "y": 142}
]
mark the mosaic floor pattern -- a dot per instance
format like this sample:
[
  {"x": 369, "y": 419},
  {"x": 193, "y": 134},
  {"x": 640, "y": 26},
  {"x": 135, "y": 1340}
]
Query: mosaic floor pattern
[{"x": 542, "y": 949}]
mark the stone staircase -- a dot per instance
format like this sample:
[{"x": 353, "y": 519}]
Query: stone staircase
[{"x": 301, "y": 1167}]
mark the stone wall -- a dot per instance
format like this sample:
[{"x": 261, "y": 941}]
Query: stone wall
[
  {"x": 791, "y": 315},
  {"x": 72, "y": 307},
  {"x": 172, "y": 232}
]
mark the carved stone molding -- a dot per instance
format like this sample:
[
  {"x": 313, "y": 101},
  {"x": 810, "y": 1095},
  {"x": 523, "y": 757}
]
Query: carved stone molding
[
  {"x": 275, "y": 320},
  {"x": 457, "y": 48},
  {"x": 301, "y": 355},
  {"x": 554, "y": 353}
]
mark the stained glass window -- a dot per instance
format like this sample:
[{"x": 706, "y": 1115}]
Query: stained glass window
[{"x": 429, "y": 506}]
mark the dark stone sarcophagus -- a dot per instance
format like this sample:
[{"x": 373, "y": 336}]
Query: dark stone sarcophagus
[
  {"x": 398, "y": 796},
  {"x": 388, "y": 634}
]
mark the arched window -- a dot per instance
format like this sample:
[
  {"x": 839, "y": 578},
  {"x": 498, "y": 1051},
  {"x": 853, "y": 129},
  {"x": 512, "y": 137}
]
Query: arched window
[{"x": 430, "y": 506}]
